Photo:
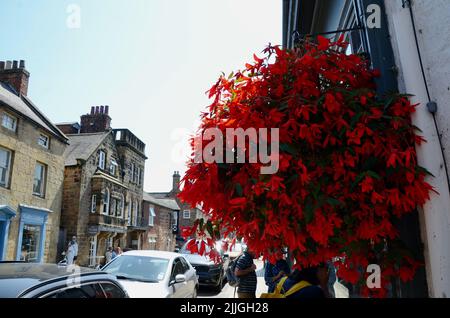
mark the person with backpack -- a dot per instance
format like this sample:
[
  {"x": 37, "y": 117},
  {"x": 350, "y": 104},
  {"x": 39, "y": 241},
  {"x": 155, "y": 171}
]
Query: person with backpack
[{"x": 245, "y": 271}]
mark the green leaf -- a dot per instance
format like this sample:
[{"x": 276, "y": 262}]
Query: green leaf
[
  {"x": 309, "y": 211},
  {"x": 373, "y": 175},
  {"x": 288, "y": 148},
  {"x": 209, "y": 228},
  {"x": 239, "y": 190},
  {"x": 333, "y": 202}
]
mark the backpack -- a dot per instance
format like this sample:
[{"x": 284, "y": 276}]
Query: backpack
[
  {"x": 280, "y": 293},
  {"x": 232, "y": 279}
]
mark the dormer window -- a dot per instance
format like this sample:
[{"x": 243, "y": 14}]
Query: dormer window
[
  {"x": 9, "y": 122},
  {"x": 43, "y": 140},
  {"x": 101, "y": 159}
]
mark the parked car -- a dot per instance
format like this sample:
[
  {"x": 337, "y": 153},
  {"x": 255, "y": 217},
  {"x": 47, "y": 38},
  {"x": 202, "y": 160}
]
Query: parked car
[
  {"x": 34, "y": 280},
  {"x": 209, "y": 272},
  {"x": 154, "y": 274},
  {"x": 237, "y": 249}
]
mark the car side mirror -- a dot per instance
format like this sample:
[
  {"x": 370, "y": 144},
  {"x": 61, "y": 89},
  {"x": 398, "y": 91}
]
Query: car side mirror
[
  {"x": 176, "y": 250},
  {"x": 180, "y": 278},
  {"x": 226, "y": 256}
]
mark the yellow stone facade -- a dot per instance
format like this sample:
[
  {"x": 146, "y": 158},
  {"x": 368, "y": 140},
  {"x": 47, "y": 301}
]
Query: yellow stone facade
[{"x": 19, "y": 194}]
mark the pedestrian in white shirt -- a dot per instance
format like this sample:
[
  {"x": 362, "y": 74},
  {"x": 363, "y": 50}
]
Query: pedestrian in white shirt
[
  {"x": 75, "y": 247},
  {"x": 70, "y": 254}
]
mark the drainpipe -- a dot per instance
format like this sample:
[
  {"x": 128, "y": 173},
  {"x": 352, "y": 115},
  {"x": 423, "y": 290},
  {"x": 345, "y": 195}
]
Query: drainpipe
[{"x": 435, "y": 214}]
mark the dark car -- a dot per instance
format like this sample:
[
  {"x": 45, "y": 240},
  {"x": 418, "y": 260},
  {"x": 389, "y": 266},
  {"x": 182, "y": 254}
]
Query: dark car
[
  {"x": 209, "y": 273},
  {"x": 34, "y": 280}
]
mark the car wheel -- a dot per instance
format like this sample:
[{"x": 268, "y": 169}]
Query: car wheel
[{"x": 219, "y": 286}]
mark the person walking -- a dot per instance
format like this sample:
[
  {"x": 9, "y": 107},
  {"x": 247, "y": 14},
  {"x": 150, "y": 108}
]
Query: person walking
[
  {"x": 108, "y": 255},
  {"x": 246, "y": 273},
  {"x": 70, "y": 253},
  {"x": 75, "y": 248}
]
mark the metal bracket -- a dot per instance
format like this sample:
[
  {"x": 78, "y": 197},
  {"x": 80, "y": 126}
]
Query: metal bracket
[{"x": 406, "y": 4}]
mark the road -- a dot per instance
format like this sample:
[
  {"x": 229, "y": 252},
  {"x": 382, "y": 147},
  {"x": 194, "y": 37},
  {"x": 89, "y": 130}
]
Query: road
[{"x": 228, "y": 291}]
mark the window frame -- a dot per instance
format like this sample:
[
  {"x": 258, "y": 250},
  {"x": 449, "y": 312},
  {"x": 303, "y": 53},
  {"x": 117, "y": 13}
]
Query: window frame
[
  {"x": 113, "y": 164},
  {"x": 101, "y": 159},
  {"x": 14, "y": 118},
  {"x": 151, "y": 216},
  {"x": 43, "y": 188},
  {"x": 93, "y": 203},
  {"x": 107, "y": 195},
  {"x": 47, "y": 143},
  {"x": 8, "y": 168},
  {"x": 184, "y": 214}
]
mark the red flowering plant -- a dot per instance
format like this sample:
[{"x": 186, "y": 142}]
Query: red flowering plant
[{"x": 347, "y": 167}]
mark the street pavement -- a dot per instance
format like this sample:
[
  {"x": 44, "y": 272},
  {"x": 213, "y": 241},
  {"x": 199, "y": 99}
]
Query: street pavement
[{"x": 228, "y": 291}]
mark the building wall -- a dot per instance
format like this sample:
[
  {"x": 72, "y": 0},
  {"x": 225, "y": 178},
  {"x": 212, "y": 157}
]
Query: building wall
[
  {"x": 79, "y": 186},
  {"x": 432, "y": 27},
  {"x": 26, "y": 152},
  {"x": 161, "y": 231}
]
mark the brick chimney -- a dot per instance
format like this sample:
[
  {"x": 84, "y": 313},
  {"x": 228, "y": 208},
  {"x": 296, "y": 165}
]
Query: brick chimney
[
  {"x": 15, "y": 74},
  {"x": 176, "y": 182},
  {"x": 97, "y": 121}
]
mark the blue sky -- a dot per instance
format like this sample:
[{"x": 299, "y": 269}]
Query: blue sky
[{"x": 151, "y": 61}]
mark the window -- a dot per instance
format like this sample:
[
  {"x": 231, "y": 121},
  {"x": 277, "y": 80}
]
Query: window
[
  {"x": 9, "y": 122},
  {"x": 93, "y": 203},
  {"x": 101, "y": 159},
  {"x": 175, "y": 218},
  {"x": 177, "y": 269},
  {"x": 129, "y": 207},
  {"x": 349, "y": 20},
  {"x": 151, "y": 216},
  {"x": 113, "y": 167},
  {"x": 185, "y": 264},
  {"x": 112, "y": 291},
  {"x": 132, "y": 172},
  {"x": 43, "y": 140},
  {"x": 186, "y": 214},
  {"x": 5, "y": 167},
  {"x": 105, "y": 209},
  {"x": 120, "y": 206},
  {"x": 39, "y": 179},
  {"x": 84, "y": 291},
  {"x": 112, "y": 209},
  {"x": 31, "y": 237},
  {"x": 93, "y": 251},
  {"x": 136, "y": 212}
]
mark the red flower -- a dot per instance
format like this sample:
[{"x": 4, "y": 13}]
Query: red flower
[{"x": 347, "y": 164}]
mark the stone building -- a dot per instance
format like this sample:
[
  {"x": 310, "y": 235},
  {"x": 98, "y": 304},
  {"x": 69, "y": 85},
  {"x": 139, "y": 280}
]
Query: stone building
[
  {"x": 31, "y": 172},
  {"x": 159, "y": 215},
  {"x": 186, "y": 215},
  {"x": 103, "y": 187}
]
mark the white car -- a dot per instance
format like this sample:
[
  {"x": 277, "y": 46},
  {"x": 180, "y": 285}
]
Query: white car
[{"x": 154, "y": 274}]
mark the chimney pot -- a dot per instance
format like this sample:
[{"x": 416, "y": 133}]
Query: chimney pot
[
  {"x": 102, "y": 109},
  {"x": 92, "y": 110},
  {"x": 106, "y": 109},
  {"x": 97, "y": 109},
  {"x": 15, "y": 64},
  {"x": 2, "y": 65},
  {"x": 8, "y": 65},
  {"x": 22, "y": 64}
]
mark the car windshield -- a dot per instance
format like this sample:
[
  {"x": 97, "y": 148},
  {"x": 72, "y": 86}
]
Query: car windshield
[{"x": 140, "y": 268}]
